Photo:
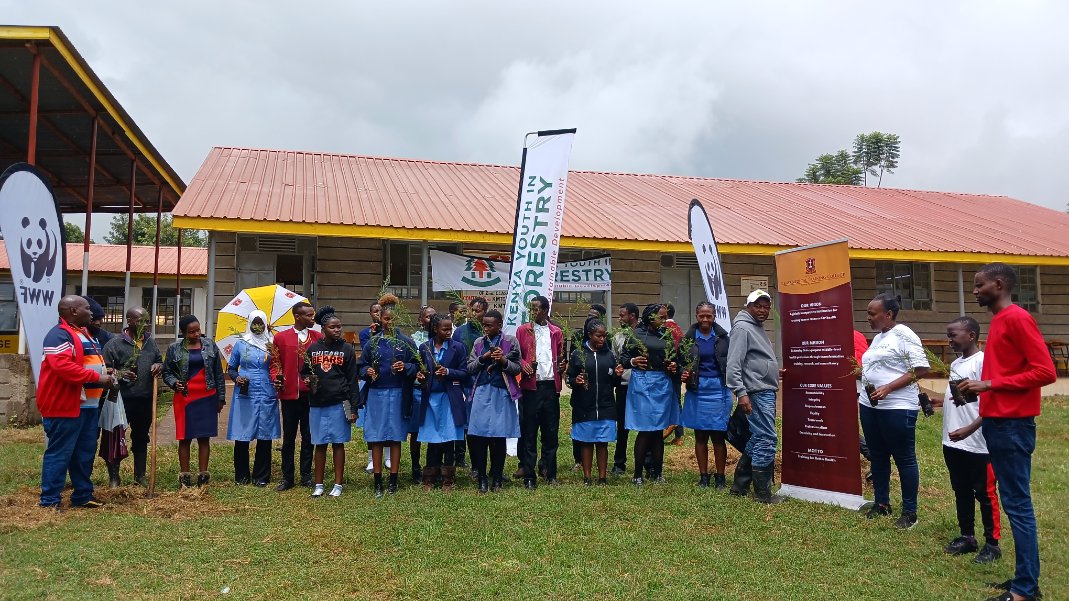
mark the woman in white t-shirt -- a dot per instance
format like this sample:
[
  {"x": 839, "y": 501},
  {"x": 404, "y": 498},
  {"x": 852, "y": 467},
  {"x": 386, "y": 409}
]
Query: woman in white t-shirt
[{"x": 890, "y": 369}]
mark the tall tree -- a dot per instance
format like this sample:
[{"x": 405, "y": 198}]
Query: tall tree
[
  {"x": 835, "y": 168},
  {"x": 73, "y": 232},
  {"x": 876, "y": 153},
  {"x": 145, "y": 231}
]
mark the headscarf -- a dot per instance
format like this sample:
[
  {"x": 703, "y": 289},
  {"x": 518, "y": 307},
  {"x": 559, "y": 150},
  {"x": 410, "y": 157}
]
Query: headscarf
[
  {"x": 649, "y": 312},
  {"x": 257, "y": 340}
]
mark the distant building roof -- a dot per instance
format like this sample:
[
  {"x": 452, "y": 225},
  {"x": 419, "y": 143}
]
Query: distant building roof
[
  {"x": 306, "y": 193},
  {"x": 111, "y": 259}
]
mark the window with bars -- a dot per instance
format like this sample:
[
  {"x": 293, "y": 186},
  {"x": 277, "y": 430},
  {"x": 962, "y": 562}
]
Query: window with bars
[
  {"x": 404, "y": 267},
  {"x": 165, "y": 301},
  {"x": 911, "y": 281},
  {"x": 1027, "y": 293}
]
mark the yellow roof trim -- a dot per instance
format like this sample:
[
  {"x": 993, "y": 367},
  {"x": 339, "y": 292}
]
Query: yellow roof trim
[
  {"x": 12, "y": 32},
  {"x": 290, "y": 228}
]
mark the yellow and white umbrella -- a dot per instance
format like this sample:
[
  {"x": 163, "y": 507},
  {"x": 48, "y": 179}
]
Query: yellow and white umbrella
[{"x": 273, "y": 300}]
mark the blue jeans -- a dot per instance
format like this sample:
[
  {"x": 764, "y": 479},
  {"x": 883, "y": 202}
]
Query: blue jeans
[
  {"x": 1010, "y": 443},
  {"x": 762, "y": 444},
  {"x": 893, "y": 433},
  {"x": 72, "y": 446}
]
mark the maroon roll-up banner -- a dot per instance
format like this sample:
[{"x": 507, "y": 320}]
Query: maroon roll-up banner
[{"x": 821, "y": 461}]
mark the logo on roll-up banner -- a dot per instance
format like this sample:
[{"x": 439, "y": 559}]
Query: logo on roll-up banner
[
  {"x": 33, "y": 236},
  {"x": 701, "y": 236}
]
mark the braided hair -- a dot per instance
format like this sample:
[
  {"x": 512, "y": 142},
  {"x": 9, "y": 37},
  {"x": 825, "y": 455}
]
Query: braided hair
[
  {"x": 436, "y": 320},
  {"x": 650, "y": 312},
  {"x": 325, "y": 314}
]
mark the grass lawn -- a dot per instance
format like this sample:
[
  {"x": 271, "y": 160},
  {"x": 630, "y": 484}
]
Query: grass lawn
[{"x": 671, "y": 541}]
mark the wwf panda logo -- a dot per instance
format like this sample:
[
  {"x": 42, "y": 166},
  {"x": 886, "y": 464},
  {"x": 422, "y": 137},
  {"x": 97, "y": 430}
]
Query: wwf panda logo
[{"x": 39, "y": 249}]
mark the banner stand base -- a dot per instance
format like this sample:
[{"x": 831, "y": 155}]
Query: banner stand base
[{"x": 816, "y": 495}]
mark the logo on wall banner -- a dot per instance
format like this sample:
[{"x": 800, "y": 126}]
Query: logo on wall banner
[
  {"x": 539, "y": 217},
  {"x": 481, "y": 273},
  {"x": 701, "y": 236},
  {"x": 33, "y": 236}
]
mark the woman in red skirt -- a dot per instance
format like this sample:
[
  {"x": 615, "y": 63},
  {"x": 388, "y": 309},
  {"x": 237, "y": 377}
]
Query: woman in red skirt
[{"x": 194, "y": 370}]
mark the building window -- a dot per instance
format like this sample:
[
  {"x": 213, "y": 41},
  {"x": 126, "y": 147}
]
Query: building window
[
  {"x": 911, "y": 281},
  {"x": 113, "y": 301},
  {"x": 404, "y": 268},
  {"x": 9, "y": 309},
  {"x": 165, "y": 314},
  {"x": 1027, "y": 293}
]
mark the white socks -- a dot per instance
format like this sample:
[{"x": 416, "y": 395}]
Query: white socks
[
  {"x": 336, "y": 491},
  {"x": 318, "y": 491}
]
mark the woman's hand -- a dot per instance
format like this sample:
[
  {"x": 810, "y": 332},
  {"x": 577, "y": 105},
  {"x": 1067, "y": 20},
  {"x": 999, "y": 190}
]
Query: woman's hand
[
  {"x": 528, "y": 369},
  {"x": 441, "y": 372},
  {"x": 372, "y": 373},
  {"x": 672, "y": 367},
  {"x": 398, "y": 367},
  {"x": 241, "y": 380},
  {"x": 619, "y": 371},
  {"x": 352, "y": 419},
  {"x": 881, "y": 393},
  {"x": 685, "y": 376},
  {"x": 580, "y": 380},
  {"x": 640, "y": 362},
  {"x": 421, "y": 376},
  {"x": 180, "y": 387}
]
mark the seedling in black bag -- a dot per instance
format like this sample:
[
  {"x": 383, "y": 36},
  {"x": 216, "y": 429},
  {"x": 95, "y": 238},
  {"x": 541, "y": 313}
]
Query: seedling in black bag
[{"x": 926, "y": 404}]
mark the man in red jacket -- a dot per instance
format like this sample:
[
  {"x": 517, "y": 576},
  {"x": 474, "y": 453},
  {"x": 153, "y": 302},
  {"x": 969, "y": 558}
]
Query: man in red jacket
[
  {"x": 72, "y": 361},
  {"x": 1016, "y": 366},
  {"x": 291, "y": 346},
  {"x": 541, "y": 343}
]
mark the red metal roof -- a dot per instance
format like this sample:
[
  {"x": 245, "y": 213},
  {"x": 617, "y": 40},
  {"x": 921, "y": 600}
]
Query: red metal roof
[
  {"x": 111, "y": 258},
  {"x": 278, "y": 187}
]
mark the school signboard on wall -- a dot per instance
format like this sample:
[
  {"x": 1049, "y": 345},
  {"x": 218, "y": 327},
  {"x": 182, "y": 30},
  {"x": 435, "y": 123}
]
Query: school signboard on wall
[{"x": 33, "y": 235}]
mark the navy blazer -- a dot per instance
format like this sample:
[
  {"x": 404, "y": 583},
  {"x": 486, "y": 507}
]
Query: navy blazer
[{"x": 455, "y": 360}]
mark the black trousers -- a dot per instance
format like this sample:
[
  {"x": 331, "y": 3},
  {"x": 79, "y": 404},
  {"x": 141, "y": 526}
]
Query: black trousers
[
  {"x": 480, "y": 447},
  {"x": 458, "y": 450},
  {"x": 439, "y": 454},
  {"x": 972, "y": 479},
  {"x": 261, "y": 466},
  {"x": 139, "y": 414},
  {"x": 619, "y": 458},
  {"x": 540, "y": 412},
  {"x": 295, "y": 415}
]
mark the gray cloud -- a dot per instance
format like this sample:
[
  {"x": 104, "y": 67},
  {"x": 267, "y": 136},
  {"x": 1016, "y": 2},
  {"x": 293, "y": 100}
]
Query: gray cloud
[{"x": 757, "y": 90}]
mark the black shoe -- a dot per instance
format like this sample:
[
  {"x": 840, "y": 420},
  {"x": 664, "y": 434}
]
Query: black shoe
[
  {"x": 720, "y": 481},
  {"x": 618, "y": 471},
  {"x": 497, "y": 485},
  {"x": 505, "y": 478},
  {"x": 484, "y": 486},
  {"x": 284, "y": 486},
  {"x": 417, "y": 474},
  {"x": 461, "y": 464},
  {"x": 907, "y": 520},
  {"x": 474, "y": 474},
  {"x": 588, "y": 482},
  {"x": 1008, "y": 596},
  {"x": 391, "y": 488},
  {"x": 203, "y": 478},
  {"x": 242, "y": 481},
  {"x": 379, "y": 492},
  {"x": 743, "y": 477},
  {"x": 602, "y": 482},
  {"x": 139, "y": 469},
  {"x": 962, "y": 545},
  {"x": 703, "y": 481},
  {"x": 877, "y": 510},
  {"x": 989, "y": 554},
  {"x": 92, "y": 503},
  {"x": 260, "y": 483},
  {"x": 307, "y": 482},
  {"x": 185, "y": 480},
  {"x": 1005, "y": 586},
  {"x": 113, "y": 475},
  {"x": 637, "y": 481},
  {"x": 552, "y": 482},
  {"x": 530, "y": 483}
]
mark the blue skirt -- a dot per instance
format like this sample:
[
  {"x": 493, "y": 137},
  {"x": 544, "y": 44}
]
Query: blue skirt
[
  {"x": 383, "y": 422},
  {"x": 414, "y": 422},
  {"x": 328, "y": 424},
  {"x": 493, "y": 413},
  {"x": 602, "y": 430},
  {"x": 652, "y": 402},
  {"x": 438, "y": 425},
  {"x": 709, "y": 407}
]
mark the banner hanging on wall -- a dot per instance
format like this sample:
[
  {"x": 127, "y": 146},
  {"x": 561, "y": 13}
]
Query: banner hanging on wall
[
  {"x": 33, "y": 236},
  {"x": 820, "y": 413},
  {"x": 539, "y": 217},
  {"x": 701, "y": 236},
  {"x": 466, "y": 272}
]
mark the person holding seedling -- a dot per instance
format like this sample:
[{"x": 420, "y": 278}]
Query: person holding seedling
[{"x": 593, "y": 372}]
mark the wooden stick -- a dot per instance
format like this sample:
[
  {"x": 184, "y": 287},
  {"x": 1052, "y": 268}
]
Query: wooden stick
[{"x": 152, "y": 451}]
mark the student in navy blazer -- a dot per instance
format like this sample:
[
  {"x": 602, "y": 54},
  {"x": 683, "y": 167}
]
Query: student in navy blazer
[{"x": 442, "y": 412}]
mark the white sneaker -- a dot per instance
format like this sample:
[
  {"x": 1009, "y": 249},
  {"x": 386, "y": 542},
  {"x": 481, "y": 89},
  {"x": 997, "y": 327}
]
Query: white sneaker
[
  {"x": 318, "y": 491},
  {"x": 386, "y": 459},
  {"x": 370, "y": 464},
  {"x": 336, "y": 491}
]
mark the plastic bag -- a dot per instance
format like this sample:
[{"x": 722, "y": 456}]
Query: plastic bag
[
  {"x": 739, "y": 430},
  {"x": 113, "y": 413}
]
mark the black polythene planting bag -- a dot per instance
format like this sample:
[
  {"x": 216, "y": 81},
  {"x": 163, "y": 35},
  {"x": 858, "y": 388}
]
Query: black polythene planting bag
[{"x": 739, "y": 430}]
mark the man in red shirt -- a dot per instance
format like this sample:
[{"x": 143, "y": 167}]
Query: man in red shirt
[
  {"x": 1016, "y": 366},
  {"x": 293, "y": 393}
]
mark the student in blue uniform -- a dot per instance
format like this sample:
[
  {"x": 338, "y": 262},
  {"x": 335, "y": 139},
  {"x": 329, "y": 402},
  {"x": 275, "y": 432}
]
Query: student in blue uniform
[
  {"x": 492, "y": 417},
  {"x": 653, "y": 393},
  {"x": 707, "y": 403},
  {"x": 254, "y": 412},
  {"x": 442, "y": 415},
  {"x": 593, "y": 372}
]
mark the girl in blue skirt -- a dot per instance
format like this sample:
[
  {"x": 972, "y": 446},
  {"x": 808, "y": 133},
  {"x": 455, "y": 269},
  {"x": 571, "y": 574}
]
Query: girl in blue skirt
[
  {"x": 707, "y": 402},
  {"x": 653, "y": 392},
  {"x": 593, "y": 373},
  {"x": 330, "y": 373},
  {"x": 492, "y": 415},
  {"x": 441, "y": 413},
  {"x": 388, "y": 367}
]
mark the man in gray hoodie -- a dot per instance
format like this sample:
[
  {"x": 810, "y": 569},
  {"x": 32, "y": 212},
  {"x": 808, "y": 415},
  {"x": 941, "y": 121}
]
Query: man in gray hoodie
[{"x": 753, "y": 375}]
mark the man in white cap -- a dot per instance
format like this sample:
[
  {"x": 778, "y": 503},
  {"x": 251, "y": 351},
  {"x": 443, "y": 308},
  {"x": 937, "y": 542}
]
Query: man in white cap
[{"x": 753, "y": 375}]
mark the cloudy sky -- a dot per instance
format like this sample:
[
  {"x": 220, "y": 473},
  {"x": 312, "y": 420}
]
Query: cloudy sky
[{"x": 976, "y": 90}]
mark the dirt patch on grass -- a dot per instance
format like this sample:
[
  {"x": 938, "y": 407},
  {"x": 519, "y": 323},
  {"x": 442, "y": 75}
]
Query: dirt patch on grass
[
  {"x": 20, "y": 510},
  {"x": 34, "y": 435},
  {"x": 679, "y": 459}
]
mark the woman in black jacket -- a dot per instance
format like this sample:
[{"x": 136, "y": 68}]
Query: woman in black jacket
[
  {"x": 593, "y": 373},
  {"x": 707, "y": 403}
]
